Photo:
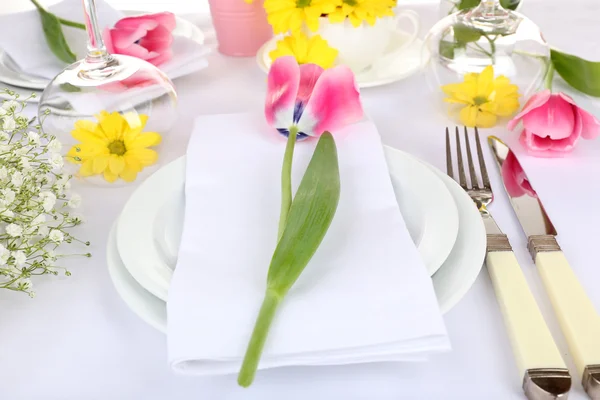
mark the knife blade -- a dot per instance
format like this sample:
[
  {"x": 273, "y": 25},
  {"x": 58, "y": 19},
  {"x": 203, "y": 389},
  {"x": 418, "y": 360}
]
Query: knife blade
[{"x": 578, "y": 319}]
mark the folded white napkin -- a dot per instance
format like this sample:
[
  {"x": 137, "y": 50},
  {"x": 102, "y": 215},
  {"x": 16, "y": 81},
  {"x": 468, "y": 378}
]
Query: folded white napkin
[
  {"x": 364, "y": 297},
  {"x": 22, "y": 38}
]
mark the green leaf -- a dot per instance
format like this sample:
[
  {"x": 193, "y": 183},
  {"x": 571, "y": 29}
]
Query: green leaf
[
  {"x": 467, "y": 4},
  {"x": 54, "y": 35},
  {"x": 67, "y": 87},
  {"x": 582, "y": 74},
  {"x": 466, "y": 34},
  {"x": 447, "y": 49},
  {"x": 510, "y": 4},
  {"x": 309, "y": 218},
  {"x": 310, "y": 215}
]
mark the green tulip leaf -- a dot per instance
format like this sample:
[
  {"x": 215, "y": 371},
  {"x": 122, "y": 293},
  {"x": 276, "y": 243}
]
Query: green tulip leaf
[
  {"x": 466, "y": 34},
  {"x": 309, "y": 218},
  {"x": 582, "y": 74},
  {"x": 54, "y": 35},
  {"x": 447, "y": 49},
  {"x": 467, "y": 4}
]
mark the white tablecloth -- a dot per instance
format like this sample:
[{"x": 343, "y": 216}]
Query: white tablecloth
[{"x": 78, "y": 341}]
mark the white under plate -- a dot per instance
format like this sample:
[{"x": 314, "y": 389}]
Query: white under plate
[
  {"x": 11, "y": 74},
  {"x": 451, "y": 282},
  {"x": 151, "y": 222},
  {"x": 388, "y": 71}
]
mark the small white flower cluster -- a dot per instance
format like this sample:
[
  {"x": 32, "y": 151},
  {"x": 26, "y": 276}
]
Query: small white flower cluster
[{"x": 35, "y": 202}]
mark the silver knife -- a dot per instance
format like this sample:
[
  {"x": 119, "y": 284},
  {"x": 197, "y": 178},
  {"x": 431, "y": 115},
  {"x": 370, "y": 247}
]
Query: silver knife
[{"x": 579, "y": 321}]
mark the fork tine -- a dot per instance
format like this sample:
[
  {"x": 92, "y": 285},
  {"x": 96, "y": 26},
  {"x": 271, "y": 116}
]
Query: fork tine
[
  {"x": 461, "y": 168},
  {"x": 484, "y": 175},
  {"x": 449, "y": 169},
  {"x": 474, "y": 182}
]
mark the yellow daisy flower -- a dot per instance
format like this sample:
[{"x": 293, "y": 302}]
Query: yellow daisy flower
[
  {"x": 289, "y": 15},
  {"x": 115, "y": 147},
  {"x": 483, "y": 97},
  {"x": 359, "y": 11},
  {"x": 306, "y": 51}
]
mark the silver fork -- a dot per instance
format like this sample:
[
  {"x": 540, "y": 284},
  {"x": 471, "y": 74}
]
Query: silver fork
[{"x": 545, "y": 374}]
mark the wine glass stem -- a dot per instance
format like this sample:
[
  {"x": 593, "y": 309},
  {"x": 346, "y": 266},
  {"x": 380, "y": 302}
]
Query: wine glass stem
[
  {"x": 489, "y": 6},
  {"x": 96, "y": 48}
]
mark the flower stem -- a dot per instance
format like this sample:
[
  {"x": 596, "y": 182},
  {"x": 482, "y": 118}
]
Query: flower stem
[
  {"x": 549, "y": 77},
  {"x": 258, "y": 338},
  {"x": 72, "y": 24},
  {"x": 286, "y": 180}
]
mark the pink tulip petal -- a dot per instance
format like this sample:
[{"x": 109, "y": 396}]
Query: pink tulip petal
[
  {"x": 335, "y": 102},
  {"x": 556, "y": 119},
  {"x": 131, "y": 23},
  {"x": 135, "y": 50},
  {"x": 590, "y": 126},
  {"x": 535, "y": 101},
  {"x": 161, "y": 58},
  {"x": 527, "y": 142},
  {"x": 282, "y": 87},
  {"x": 157, "y": 39},
  {"x": 123, "y": 38},
  {"x": 108, "y": 43},
  {"x": 166, "y": 19},
  {"x": 309, "y": 75}
]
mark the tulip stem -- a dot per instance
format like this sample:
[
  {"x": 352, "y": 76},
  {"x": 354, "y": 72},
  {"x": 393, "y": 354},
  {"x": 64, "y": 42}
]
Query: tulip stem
[
  {"x": 549, "y": 77},
  {"x": 286, "y": 180},
  {"x": 258, "y": 338}
]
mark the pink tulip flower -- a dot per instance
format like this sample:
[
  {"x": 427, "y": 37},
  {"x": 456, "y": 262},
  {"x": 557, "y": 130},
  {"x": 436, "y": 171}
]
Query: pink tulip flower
[
  {"x": 146, "y": 36},
  {"x": 553, "y": 124},
  {"x": 309, "y": 100}
]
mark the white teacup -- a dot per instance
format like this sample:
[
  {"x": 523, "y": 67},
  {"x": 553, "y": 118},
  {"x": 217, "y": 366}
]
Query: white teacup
[{"x": 359, "y": 47}]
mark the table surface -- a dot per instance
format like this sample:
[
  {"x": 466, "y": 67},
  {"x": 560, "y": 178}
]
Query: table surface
[{"x": 77, "y": 339}]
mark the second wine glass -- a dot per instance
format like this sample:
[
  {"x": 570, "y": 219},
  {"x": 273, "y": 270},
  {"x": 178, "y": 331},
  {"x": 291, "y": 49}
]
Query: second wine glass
[{"x": 112, "y": 113}]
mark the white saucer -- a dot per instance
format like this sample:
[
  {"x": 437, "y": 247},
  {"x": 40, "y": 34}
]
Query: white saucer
[
  {"x": 451, "y": 282},
  {"x": 151, "y": 222},
  {"x": 386, "y": 70}
]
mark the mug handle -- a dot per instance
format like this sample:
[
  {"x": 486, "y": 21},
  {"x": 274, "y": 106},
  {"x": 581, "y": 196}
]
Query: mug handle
[{"x": 413, "y": 17}]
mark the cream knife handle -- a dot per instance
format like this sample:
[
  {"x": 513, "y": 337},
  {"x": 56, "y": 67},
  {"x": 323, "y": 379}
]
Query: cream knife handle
[
  {"x": 530, "y": 337},
  {"x": 578, "y": 319}
]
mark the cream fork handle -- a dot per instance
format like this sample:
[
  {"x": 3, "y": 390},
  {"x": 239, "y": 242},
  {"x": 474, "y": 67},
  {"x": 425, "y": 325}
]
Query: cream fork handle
[
  {"x": 579, "y": 321},
  {"x": 532, "y": 343}
]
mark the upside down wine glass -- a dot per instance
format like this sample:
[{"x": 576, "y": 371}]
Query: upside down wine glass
[
  {"x": 111, "y": 112},
  {"x": 488, "y": 35}
]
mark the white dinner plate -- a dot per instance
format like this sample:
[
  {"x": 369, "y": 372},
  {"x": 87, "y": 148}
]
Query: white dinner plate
[
  {"x": 388, "y": 70},
  {"x": 11, "y": 74},
  {"x": 149, "y": 308},
  {"x": 151, "y": 223},
  {"x": 458, "y": 273},
  {"x": 451, "y": 282}
]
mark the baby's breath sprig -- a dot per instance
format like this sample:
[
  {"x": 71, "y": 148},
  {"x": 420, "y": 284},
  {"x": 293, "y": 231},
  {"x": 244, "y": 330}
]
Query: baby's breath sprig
[{"x": 35, "y": 200}]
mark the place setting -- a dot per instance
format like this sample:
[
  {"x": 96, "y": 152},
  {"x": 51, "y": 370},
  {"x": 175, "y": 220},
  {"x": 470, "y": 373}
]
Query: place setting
[{"x": 292, "y": 234}]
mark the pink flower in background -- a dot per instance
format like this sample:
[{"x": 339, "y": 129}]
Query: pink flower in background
[
  {"x": 146, "y": 36},
  {"x": 553, "y": 124},
  {"x": 514, "y": 178},
  {"x": 310, "y": 99}
]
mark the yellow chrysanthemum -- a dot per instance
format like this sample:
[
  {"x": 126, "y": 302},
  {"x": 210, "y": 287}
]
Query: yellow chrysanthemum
[
  {"x": 359, "y": 11},
  {"x": 289, "y": 15},
  {"x": 483, "y": 97},
  {"x": 306, "y": 51},
  {"x": 115, "y": 147}
]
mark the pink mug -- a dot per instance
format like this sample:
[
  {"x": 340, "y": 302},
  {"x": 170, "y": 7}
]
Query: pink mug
[{"x": 241, "y": 28}]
